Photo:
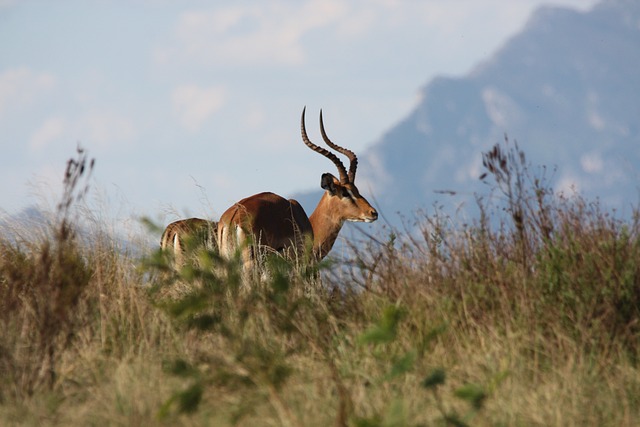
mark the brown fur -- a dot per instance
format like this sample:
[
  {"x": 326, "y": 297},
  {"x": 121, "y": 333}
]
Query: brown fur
[
  {"x": 280, "y": 224},
  {"x": 175, "y": 235}
]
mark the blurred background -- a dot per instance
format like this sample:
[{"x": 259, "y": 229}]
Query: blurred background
[{"x": 190, "y": 106}]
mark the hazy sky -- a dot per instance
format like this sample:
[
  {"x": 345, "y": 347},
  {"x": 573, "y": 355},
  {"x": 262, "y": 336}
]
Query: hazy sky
[{"x": 189, "y": 106}]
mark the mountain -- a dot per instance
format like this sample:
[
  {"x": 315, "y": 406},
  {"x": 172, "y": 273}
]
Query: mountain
[
  {"x": 29, "y": 222},
  {"x": 566, "y": 88}
]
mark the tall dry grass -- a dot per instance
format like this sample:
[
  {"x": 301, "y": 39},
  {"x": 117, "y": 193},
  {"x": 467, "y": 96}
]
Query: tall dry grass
[{"x": 528, "y": 315}]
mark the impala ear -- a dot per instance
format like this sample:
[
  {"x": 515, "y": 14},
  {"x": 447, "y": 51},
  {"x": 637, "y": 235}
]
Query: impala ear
[{"x": 328, "y": 182}]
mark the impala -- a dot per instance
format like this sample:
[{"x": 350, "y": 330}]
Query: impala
[
  {"x": 175, "y": 236},
  {"x": 278, "y": 224}
]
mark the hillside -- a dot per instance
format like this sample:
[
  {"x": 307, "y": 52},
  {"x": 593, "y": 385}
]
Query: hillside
[{"x": 565, "y": 88}]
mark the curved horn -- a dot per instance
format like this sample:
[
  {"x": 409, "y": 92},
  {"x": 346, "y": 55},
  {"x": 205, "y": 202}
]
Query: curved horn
[
  {"x": 353, "y": 159},
  {"x": 329, "y": 155}
]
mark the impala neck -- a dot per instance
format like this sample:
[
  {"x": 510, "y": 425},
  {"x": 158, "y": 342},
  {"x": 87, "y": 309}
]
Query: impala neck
[{"x": 326, "y": 224}]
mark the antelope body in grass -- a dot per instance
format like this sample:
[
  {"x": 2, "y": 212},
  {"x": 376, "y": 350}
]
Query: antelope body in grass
[
  {"x": 282, "y": 225},
  {"x": 176, "y": 235}
]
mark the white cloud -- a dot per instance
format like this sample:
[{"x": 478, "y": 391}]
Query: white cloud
[
  {"x": 95, "y": 129},
  {"x": 265, "y": 33},
  {"x": 105, "y": 128},
  {"x": 256, "y": 116},
  {"x": 359, "y": 22},
  {"x": 193, "y": 105},
  {"x": 20, "y": 86},
  {"x": 594, "y": 117},
  {"x": 282, "y": 33},
  {"x": 7, "y": 3},
  {"x": 52, "y": 129},
  {"x": 592, "y": 162},
  {"x": 569, "y": 184}
]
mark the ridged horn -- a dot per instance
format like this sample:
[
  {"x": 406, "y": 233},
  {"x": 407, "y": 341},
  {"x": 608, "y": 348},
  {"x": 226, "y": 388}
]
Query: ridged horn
[
  {"x": 353, "y": 159},
  {"x": 329, "y": 155}
]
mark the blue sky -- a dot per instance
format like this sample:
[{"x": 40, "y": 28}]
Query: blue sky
[{"x": 189, "y": 106}]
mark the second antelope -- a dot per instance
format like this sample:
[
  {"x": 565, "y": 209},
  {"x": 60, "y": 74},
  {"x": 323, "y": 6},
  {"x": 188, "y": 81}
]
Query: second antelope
[
  {"x": 179, "y": 234},
  {"x": 271, "y": 221}
]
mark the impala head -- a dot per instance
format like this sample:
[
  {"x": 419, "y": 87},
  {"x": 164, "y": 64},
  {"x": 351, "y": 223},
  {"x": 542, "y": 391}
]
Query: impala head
[{"x": 343, "y": 191}]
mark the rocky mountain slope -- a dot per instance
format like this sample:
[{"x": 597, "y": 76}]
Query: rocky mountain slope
[{"x": 566, "y": 88}]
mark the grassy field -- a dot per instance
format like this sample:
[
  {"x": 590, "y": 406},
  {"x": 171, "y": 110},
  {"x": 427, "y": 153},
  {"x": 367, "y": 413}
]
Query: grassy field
[{"x": 527, "y": 316}]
